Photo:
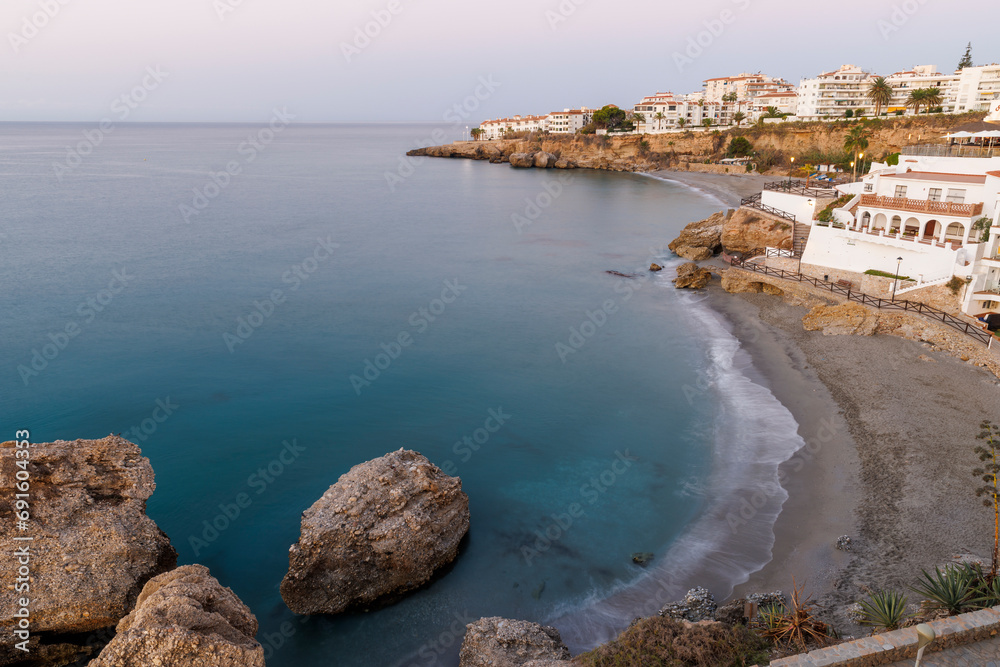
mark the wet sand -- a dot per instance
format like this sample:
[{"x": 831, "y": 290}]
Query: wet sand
[{"x": 729, "y": 188}]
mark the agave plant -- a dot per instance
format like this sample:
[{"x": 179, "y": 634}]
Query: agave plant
[
  {"x": 884, "y": 609},
  {"x": 987, "y": 592},
  {"x": 951, "y": 589},
  {"x": 796, "y": 624}
]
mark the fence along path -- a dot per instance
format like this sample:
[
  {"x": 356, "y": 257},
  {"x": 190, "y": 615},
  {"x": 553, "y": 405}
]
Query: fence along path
[{"x": 930, "y": 312}]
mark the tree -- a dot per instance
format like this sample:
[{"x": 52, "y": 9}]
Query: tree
[
  {"x": 966, "y": 60},
  {"x": 856, "y": 142},
  {"x": 659, "y": 120},
  {"x": 932, "y": 98},
  {"x": 772, "y": 112},
  {"x": 477, "y": 132},
  {"x": 739, "y": 117},
  {"x": 989, "y": 473},
  {"x": 880, "y": 94},
  {"x": 917, "y": 99},
  {"x": 707, "y": 122},
  {"x": 739, "y": 147},
  {"x": 611, "y": 118},
  {"x": 681, "y": 122}
]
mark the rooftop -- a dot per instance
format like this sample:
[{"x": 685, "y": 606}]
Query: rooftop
[{"x": 974, "y": 179}]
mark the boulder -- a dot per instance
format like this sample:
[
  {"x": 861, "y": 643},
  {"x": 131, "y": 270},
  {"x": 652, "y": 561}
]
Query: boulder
[
  {"x": 381, "y": 531},
  {"x": 691, "y": 276},
  {"x": 750, "y": 232},
  {"x": 843, "y": 319},
  {"x": 522, "y": 160},
  {"x": 563, "y": 163},
  {"x": 700, "y": 240},
  {"x": 499, "y": 642},
  {"x": 697, "y": 605},
  {"x": 185, "y": 618},
  {"x": 655, "y": 268},
  {"x": 93, "y": 546},
  {"x": 545, "y": 160}
]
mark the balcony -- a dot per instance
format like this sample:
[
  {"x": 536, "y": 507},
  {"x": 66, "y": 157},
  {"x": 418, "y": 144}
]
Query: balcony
[
  {"x": 938, "y": 150},
  {"x": 923, "y": 206}
]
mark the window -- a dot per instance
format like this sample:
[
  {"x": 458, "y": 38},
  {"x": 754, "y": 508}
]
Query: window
[
  {"x": 869, "y": 187},
  {"x": 935, "y": 194},
  {"x": 900, "y": 191},
  {"x": 956, "y": 196}
]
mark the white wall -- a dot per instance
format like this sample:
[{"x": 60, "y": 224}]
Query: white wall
[
  {"x": 828, "y": 246},
  {"x": 797, "y": 205}
]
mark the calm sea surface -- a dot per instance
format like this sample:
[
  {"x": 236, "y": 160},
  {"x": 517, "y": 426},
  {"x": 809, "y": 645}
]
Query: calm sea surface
[{"x": 264, "y": 308}]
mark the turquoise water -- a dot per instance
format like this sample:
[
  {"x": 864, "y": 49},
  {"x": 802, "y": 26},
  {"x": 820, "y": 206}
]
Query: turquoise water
[{"x": 308, "y": 266}]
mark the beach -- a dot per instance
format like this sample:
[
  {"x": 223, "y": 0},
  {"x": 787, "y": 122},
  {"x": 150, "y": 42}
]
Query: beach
[
  {"x": 728, "y": 188},
  {"x": 890, "y": 425}
]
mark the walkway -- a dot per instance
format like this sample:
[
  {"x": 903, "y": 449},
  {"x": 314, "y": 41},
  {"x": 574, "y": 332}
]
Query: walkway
[{"x": 983, "y": 654}]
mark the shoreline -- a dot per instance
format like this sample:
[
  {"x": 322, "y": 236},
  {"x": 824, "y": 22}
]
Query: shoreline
[
  {"x": 888, "y": 459},
  {"x": 728, "y": 189}
]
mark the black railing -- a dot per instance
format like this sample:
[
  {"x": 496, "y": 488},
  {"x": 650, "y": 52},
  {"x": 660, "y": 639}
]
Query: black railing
[
  {"x": 754, "y": 202},
  {"x": 930, "y": 312},
  {"x": 796, "y": 187}
]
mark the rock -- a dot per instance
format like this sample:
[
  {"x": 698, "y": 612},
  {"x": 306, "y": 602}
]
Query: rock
[
  {"x": 499, "y": 642},
  {"x": 642, "y": 558},
  {"x": 750, "y": 231},
  {"x": 382, "y": 530},
  {"x": 94, "y": 547},
  {"x": 563, "y": 163},
  {"x": 699, "y": 238},
  {"x": 655, "y": 268},
  {"x": 691, "y": 276},
  {"x": 843, "y": 319},
  {"x": 697, "y": 605},
  {"x": 522, "y": 160},
  {"x": 732, "y": 613},
  {"x": 924, "y": 357},
  {"x": 773, "y": 599},
  {"x": 185, "y": 618},
  {"x": 844, "y": 543},
  {"x": 545, "y": 160}
]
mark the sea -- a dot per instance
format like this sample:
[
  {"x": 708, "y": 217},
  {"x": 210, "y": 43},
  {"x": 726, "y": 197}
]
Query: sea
[{"x": 262, "y": 307}]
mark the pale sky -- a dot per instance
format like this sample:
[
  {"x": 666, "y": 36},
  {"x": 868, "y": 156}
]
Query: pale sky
[{"x": 235, "y": 60}]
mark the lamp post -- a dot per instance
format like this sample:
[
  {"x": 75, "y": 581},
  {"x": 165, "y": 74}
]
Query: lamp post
[
  {"x": 895, "y": 282},
  {"x": 855, "y": 177},
  {"x": 791, "y": 167},
  {"x": 925, "y": 636}
]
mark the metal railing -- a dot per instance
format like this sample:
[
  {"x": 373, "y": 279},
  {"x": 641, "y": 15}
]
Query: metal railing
[
  {"x": 940, "y": 150},
  {"x": 930, "y": 312},
  {"x": 754, "y": 202},
  {"x": 795, "y": 187}
]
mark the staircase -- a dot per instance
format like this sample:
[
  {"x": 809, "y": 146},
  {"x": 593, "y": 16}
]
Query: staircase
[{"x": 800, "y": 235}]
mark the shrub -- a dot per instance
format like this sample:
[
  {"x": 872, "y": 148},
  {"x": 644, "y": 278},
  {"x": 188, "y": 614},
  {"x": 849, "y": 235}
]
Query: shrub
[
  {"x": 951, "y": 589},
  {"x": 739, "y": 147},
  {"x": 899, "y": 112},
  {"x": 795, "y": 625},
  {"x": 644, "y": 146},
  {"x": 826, "y": 215},
  {"x": 664, "y": 641},
  {"x": 955, "y": 284},
  {"x": 883, "y": 274},
  {"x": 884, "y": 609}
]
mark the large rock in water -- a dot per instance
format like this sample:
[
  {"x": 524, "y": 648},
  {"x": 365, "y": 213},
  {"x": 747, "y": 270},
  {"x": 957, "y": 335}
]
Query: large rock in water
[
  {"x": 522, "y": 160},
  {"x": 382, "y": 530},
  {"x": 545, "y": 160},
  {"x": 185, "y": 618},
  {"x": 93, "y": 546},
  {"x": 499, "y": 642},
  {"x": 700, "y": 240}
]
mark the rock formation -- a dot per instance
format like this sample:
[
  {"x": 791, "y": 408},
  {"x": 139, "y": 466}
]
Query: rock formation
[
  {"x": 522, "y": 160},
  {"x": 382, "y": 530},
  {"x": 844, "y": 319},
  {"x": 499, "y": 642},
  {"x": 697, "y": 605},
  {"x": 93, "y": 546},
  {"x": 185, "y": 618},
  {"x": 545, "y": 160},
  {"x": 749, "y": 232},
  {"x": 700, "y": 240},
  {"x": 691, "y": 276},
  {"x": 735, "y": 281}
]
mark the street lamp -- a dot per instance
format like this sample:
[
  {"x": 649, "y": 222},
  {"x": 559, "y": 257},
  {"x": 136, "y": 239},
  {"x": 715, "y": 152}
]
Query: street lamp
[
  {"x": 790, "y": 169},
  {"x": 925, "y": 636},
  {"x": 895, "y": 282},
  {"x": 861, "y": 160}
]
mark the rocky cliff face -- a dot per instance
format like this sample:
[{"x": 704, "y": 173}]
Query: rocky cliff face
[
  {"x": 185, "y": 618},
  {"x": 382, "y": 530},
  {"x": 498, "y": 642},
  {"x": 749, "y": 232},
  {"x": 690, "y": 276},
  {"x": 93, "y": 546},
  {"x": 703, "y": 239}
]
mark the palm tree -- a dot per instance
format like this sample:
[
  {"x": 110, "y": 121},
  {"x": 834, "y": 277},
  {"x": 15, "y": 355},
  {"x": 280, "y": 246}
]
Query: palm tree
[
  {"x": 855, "y": 143},
  {"x": 880, "y": 94},
  {"x": 477, "y": 132},
  {"x": 681, "y": 122},
  {"x": 707, "y": 122},
  {"x": 932, "y": 98},
  {"x": 739, "y": 117},
  {"x": 659, "y": 119},
  {"x": 917, "y": 99},
  {"x": 772, "y": 112}
]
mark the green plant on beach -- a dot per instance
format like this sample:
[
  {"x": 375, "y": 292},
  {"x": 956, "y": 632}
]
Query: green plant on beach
[
  {"x": 989, "y": 473},
  {"x": 884, "y": 609},
  {"x": 951, "y": 589},
  {"x": 795, "y": 625}
]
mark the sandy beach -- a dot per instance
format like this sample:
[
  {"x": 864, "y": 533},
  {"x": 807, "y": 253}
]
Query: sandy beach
[
  {"x": 729, "y": 188},
  {"x": 890, "y": 425}
]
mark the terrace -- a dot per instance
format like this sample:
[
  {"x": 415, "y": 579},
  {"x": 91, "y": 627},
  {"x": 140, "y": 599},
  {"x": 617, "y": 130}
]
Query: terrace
[{"x": 950, "y": 209}]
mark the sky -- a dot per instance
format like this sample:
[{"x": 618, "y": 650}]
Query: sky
[{"x": 440, "y": 60}]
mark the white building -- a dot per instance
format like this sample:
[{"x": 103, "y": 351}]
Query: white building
[
  {"x": 784, "y": 102},
  {"x": 977, "y": 87},
  {"x": 666, "y": 112},
  {"x": 496, "y": 129},
  {"x": 921, "y": 76},
  {"x": 832, "y": 94},
  {"x": 569, "y": 121}
]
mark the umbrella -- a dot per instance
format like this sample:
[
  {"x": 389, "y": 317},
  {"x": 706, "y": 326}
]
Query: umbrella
[
  {"x": 992, "y": 134},
  {"x": 962, "y": 135}
]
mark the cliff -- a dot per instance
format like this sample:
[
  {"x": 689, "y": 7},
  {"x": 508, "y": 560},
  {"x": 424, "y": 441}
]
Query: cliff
[{"x": 650, "y": 152}]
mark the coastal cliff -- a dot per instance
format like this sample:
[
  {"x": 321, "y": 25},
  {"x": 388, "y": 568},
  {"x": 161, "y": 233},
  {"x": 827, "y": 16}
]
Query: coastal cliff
[{"x": 685, "y": 150}]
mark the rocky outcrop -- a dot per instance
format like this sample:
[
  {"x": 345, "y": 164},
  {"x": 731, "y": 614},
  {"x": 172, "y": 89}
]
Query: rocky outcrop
[
  {"x": 691, "y": 276},
  {"x": 841, "y": 320},
  {"x": 185, "y": 618},
  {"x": 499, "y": 642},
  {"x": 93, "y": 546},
  {"x": 545, "y": 160},
  {"x": 744, "y": 282},
  {"x": 697, "y": 605},
  {"x": 381, "y": 531},
  {"x": 522, "y": 160},
  {"x": 700, "y": 240},
  {"x": 748, "y": 232}
]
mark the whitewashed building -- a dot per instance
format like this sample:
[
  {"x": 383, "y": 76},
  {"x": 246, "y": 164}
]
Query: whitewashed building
[
  {"x": 977, "y": 88},
  {"x": 569, "y": 121},
  {"x": 921, "y": 76},
  {"x": 832, "y": 94}
]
